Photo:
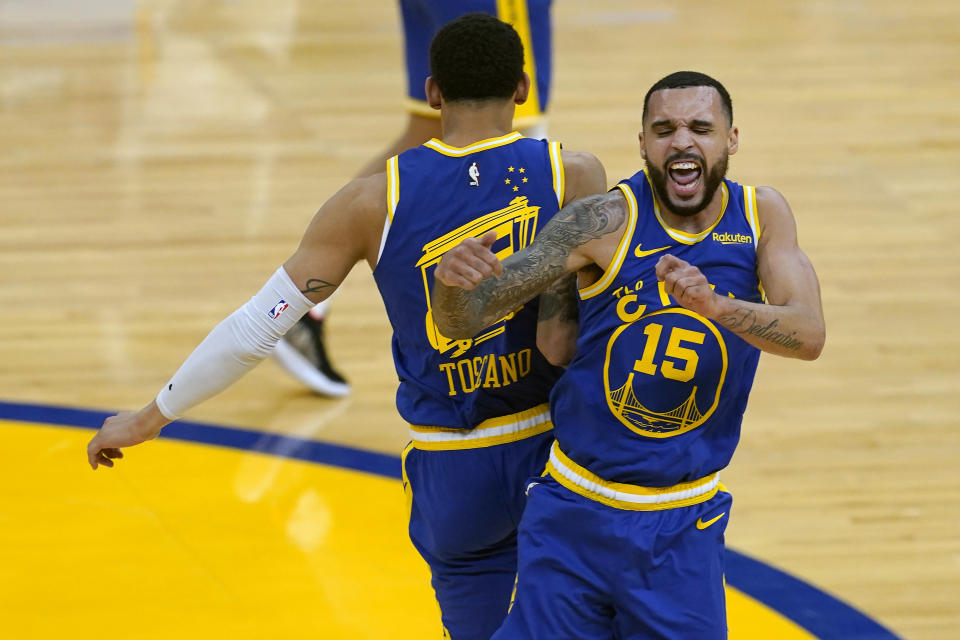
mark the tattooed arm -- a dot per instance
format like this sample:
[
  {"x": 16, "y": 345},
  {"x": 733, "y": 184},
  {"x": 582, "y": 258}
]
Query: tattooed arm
[
  {"x": 471, "y": 292},
  {"x": 558, "y": 321},
  {"x": 791, "y": 324}
]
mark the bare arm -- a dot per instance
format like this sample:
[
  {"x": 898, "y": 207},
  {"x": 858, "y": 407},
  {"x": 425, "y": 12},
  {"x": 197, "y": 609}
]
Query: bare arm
[
  {"x": 558, "y": 321},
  {"x": 465, "y": 296},
  {"x": 345, "y": 230},
  {"x": 791, "y": 324}
]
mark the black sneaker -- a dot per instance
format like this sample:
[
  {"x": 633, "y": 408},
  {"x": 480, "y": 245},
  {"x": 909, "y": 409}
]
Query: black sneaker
[{"x": 302, "y": 354}]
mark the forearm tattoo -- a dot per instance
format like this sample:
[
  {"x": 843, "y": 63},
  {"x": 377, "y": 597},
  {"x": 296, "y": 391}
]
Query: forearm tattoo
[
  {"x": 531, "y": 271},
  {"x": 744, "y": 322},
  {"x": 559, "y": 302}
]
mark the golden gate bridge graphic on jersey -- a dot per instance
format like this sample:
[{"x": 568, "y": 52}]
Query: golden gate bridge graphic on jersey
[
  {"x": 517, "y": 222},
  {"x": 627, "y": 406}
]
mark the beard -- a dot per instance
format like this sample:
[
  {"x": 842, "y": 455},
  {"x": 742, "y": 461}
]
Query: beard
[{"x": 713, "y": 176}]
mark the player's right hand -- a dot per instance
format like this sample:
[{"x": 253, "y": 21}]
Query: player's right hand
[
  {"x": 125, "y": 429},
  {"x": 469, "y": 263}
]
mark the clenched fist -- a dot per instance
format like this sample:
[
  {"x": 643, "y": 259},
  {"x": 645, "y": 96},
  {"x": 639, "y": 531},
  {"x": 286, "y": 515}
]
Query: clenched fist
[{"x": 469, "y": 263}]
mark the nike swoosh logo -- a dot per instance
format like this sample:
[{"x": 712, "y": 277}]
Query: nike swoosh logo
[
  {"x": 649, "y": 252},
  {"x": 703, "y": 525}
]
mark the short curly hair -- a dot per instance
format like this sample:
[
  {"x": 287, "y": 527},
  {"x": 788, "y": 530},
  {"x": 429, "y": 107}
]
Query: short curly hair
[
  {"x": 684, "y": 79},
  {"x": 476, "y": 57}
]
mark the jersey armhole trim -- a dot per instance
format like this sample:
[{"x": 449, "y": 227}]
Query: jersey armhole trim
[
  {"x": 556, "y": 165},
  {"x": 753, "y": 219},
  {"x": 393, "y": 198},
  {"x": 750, "y": 195},
  {"x": 621, "y": 254}
]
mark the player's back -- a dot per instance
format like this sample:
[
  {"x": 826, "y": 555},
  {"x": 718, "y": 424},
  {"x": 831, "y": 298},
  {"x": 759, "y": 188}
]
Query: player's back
[{"x": 437, "y": 196}]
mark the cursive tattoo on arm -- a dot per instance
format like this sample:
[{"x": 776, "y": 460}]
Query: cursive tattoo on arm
[
  {"x": 316, "y": 285},
  {"x": 744, "y": 322},
  {"x": 461, "y": 314}
]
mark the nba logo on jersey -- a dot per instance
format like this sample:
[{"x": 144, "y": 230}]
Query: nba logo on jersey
[
  {"x": 278, "y": 308},
  {"x": 474, "y": 173}
]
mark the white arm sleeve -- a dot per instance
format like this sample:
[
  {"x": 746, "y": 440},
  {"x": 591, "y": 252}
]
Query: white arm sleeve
[{"x": 235, "y": 345}]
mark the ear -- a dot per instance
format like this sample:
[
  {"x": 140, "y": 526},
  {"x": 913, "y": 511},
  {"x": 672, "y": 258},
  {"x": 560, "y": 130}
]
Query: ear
[
  {"x": 523, "y": 89},
  {"x": 432, "y": 91},
  {"x": 733, "y": 140},
  {"x": 643, "y": 149}
]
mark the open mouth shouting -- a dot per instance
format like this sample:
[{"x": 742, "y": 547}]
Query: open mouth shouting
[{"x": 685, "y": 177}]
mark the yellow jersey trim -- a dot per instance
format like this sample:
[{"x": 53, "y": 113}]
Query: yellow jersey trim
[
  {"x": 482, "y": 145},
  {"x": 393, "y": 186},
  {"x": 393, "y": 197},
  {"x": 422, "y": 108},
  {"x": 750, "y": 198},
  {"x": 500, "y": 430},
  {"x": 407, "y": 489},
  {"x": 753, "y": 218},
  {"x": 683, "y": 236},
  {"x": 621, "y": 254},
  {"x": 556, "y": 165},
  {"x": 628, "y": 496}
]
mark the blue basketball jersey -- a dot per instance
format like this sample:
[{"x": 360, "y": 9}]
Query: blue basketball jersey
[
  {"x": 655, "y": 394},
  {"x": 437, "y": 196}
]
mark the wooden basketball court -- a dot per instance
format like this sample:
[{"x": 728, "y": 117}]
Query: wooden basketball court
[{"x": 162, "y": 157}]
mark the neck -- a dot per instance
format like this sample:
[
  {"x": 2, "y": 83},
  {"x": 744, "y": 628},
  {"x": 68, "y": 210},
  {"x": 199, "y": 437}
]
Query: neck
[{"x": 466, "y": 122}]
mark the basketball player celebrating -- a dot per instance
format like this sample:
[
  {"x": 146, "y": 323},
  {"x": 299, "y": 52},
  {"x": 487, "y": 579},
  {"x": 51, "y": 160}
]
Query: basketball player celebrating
[{"x": 684, "y": 278}]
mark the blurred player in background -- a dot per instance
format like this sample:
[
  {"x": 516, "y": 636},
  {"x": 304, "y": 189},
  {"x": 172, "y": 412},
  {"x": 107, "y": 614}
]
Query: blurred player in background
[{"x": 302, "y": 352}]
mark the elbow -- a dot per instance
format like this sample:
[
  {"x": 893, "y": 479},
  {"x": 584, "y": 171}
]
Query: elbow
[
  {"x": 452, "y": 330},
  {"x": 559, "y": 353},
  {"x": 814, "y": 347}
]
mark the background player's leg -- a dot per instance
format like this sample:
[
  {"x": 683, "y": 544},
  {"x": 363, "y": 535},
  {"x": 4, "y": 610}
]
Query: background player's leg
[
  {"x": 303, "y": 353},
  {"x": 419, "y": 129}
]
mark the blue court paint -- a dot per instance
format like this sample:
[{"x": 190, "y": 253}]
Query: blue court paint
[
  {"x": 819, "y": 613},
  {"x": 822, "y": 615},
  {"x": 232, "y": 437}
]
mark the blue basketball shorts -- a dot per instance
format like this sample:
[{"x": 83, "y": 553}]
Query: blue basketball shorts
[
  {"x": 531, "y": 18},
  {"x": 465, "y": 508},
  {"x": 589, "y": 571}
]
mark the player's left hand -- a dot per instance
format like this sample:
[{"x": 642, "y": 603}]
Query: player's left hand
[{"x": 687, "y": 284}]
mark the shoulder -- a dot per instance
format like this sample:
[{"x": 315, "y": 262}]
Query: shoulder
[
  {"x": 771, "y": 199},
  {"x": 580, "y": 162},
  {"x": 357, "y": 209},
  {"x": 771, "y": 205},
  {"x": 584, "y": 174},
  {"x": 774, "y": 214},
  {"x": 367, "y": 195}
]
